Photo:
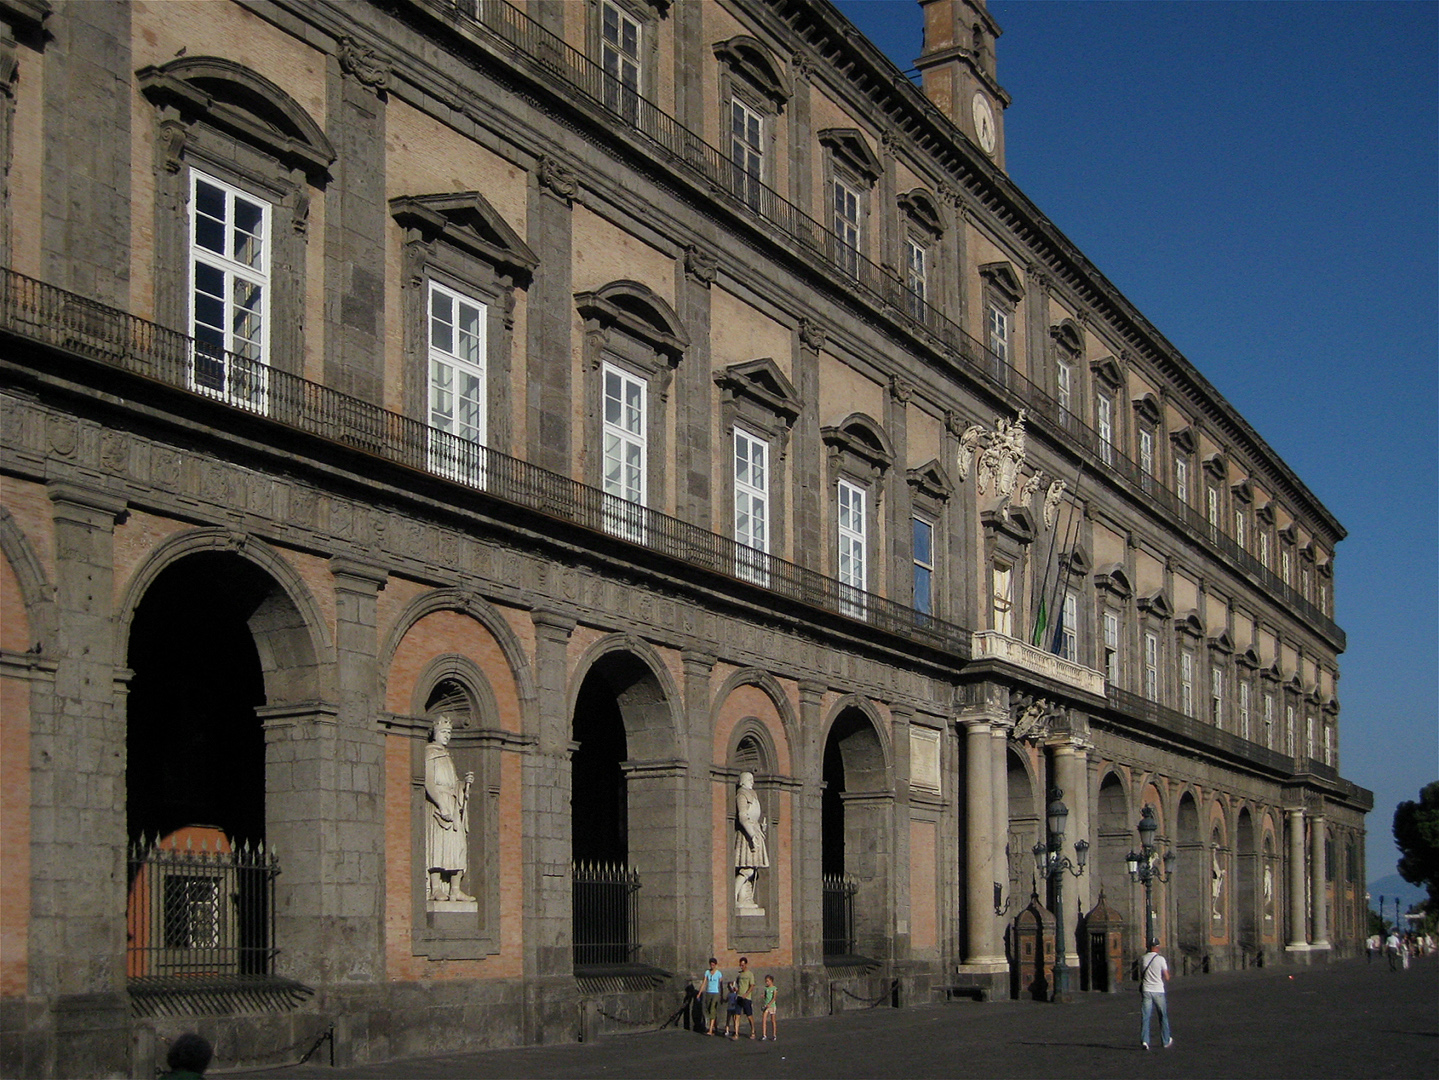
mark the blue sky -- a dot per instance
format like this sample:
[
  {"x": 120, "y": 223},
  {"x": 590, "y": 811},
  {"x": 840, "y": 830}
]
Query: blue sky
[{"x": 1262, "y": 180}]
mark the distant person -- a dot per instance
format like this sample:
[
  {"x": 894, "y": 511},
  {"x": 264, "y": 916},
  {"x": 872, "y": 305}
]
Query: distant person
[
  {"x": 188, "y": 1058},
  {"x": 744, "y": 987},
  {"x": 1391, "y": 949},
  {"x": 1372, "y": 946},
  {"x": 769, "y": 1019},
  {"x": 731, "y": 1024},
  {"x": 1153, "y": 974},
  {"x": 710, "y": 982}
]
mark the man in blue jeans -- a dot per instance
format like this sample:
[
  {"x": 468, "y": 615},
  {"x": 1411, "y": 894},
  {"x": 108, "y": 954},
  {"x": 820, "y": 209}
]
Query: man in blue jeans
[{"x": 1153, "y": 974}]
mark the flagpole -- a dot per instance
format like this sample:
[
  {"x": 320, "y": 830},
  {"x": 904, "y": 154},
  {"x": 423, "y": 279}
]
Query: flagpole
[{"x": 1073, "y": 508}]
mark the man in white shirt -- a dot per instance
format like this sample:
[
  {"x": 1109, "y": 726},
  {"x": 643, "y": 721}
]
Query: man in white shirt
[
  {"x": 1153, "y": 974},
  {"x": 1391, "y": 947}
]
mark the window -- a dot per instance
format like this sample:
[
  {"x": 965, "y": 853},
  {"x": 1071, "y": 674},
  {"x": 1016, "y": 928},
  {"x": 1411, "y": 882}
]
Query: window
[
  {"x": 1286, "y": 567},
  {"x": 1146, "y": 451},
  {"x": 1269, "y": 720},
  {"x": 1289, "y": 735},
  {"x": 1069, "y": 628},
  {"x": 751, "y": 505},
  {"x": 1151, "y": 666},
  {"x": 1239, "y": 537},
  {"x": 916, "y": 280},
  {"x": 1104, "y": 420},
  {"x": 620, "y": 58},
  {"x": 1004, "y": 599},
  {"x": 1323, "y": 598},
  {"x": 1216, "y": 696},
  {"x": 230, "y": 290},
  {"x": 852, "y": 533},
  {"x": 1264, "y": 550},
  {"x": 1304, "y": 581},
  {"x": 746, "y": 151},
  {"x": 846, "y": 227},
  {"x": 1181, "y": 479},
  {"x": 1111, "y": 647},
  {"x": 923, "y": 566},
  {"x": 1328, "y": 745},
  {"x": 458, "y": 401},
  {"x": 999, "y": 332},
  {"x": 1212, "y": 504},
  {"x": 1186, "y": 683},
  {"x": 1064, "y": 384},
  {"x": 624, "y": 452},
  {"x": 1309, "y": 736},
  {"x": 1244, "y": 710}
]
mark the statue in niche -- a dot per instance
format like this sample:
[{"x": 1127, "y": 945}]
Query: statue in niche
[
  {"x": 1216, "y": 888},
  {"x": 1268, "y": 891},
  {"x": 751, "y": 853},
  {"x": 447, "y": 824}
]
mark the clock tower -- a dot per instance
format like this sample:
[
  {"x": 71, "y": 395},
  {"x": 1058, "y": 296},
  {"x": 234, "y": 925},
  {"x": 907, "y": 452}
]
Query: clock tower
[{"x": 957, "y": 67}]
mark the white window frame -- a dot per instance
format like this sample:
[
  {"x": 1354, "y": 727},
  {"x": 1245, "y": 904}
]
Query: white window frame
[
  {"x": 751, "y": 505},
  {"x": 1111, "y": 647},
  {"x": 625, "y": 452},
  {"x": 923, "y": 568},
  {"x": 1002, "y": 604},
  {"x": 1146, "y": 451},
  {"x": 1286, "y": 567},
  {"x": 1289, "y": 725},
  {"x": 916, "y": 265},
  {"x": 747, "y": 141},
  {"x": 460, "y": 457},
  {"x": 997, "y": 321},
  {"x": 1181, "y": 479},
  {"x": 1243, "y": 710},
  {"x": 620, "y": 58},
  {"x": 1264, "y": 549},
  {"x": 852, "y": 529},
  {"x": 1211, "y": 496},
  {"x": 1064, "y": 384},
  {"x": 1104, "y": 424},
  {"x": 1269, "y": 721},
  {"x": 240, "y": 374},
  {"x": 1239, "y": 529},
  {"x": 1216, "y": 696},
  {"x": 1069, "y": 628},
  {"x": 1151, "y": 665},
  {"x": 1186, "y": 682},
  {"x": 1309, "y": 735},
  {"x": 1328, "y": 745},
  {"x": 847, "y": 209}
]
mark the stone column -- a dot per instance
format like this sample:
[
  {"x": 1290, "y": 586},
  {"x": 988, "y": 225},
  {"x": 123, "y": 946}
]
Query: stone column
[
  {"x": 77, "y": 824},
  {"x": 1295, "y": 879},
  {"x": 1069, "y": 775},
  {"x": 979, "y": 844},
  {"x": 807, "y": 847},
  {"x": 999, "y": 793},
  {"x": 1318, "y": 872},
  {"x": 1076, "y": 795}
]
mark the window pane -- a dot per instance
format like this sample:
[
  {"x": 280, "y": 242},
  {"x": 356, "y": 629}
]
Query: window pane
[{"x": 923, "y": 542}]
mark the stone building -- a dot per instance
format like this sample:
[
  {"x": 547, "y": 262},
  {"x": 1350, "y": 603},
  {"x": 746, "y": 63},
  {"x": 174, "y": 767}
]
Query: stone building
[{"x": 657, "y": 392}]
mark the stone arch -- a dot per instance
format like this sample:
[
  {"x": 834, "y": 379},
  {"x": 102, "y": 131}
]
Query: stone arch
[
  {"x": 488, "y": 616},
  {"x": 857, "y": 833},
  {"x": 1191, "y": 887},
  {"x": 1115, "y": 837},
  {"x": 783, "y": 755},
  {"x": 1247, "y": 873},
  {"x": 36, "y": 593},
  {"x": 650, "y": 698},
  {"x": 291, "y": 632},
  {"x": 1024, "y": 786}
]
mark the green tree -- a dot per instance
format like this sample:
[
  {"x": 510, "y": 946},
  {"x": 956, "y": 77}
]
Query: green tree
[{"x": 1416, "y": 831}]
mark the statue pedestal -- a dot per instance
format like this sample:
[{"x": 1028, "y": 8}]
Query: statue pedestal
[
  {"x": 453, "y": 905},
  {"x": 748, "y": 909}
]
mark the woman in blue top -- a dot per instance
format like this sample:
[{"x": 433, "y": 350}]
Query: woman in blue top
[{"x": 713, "y": 980}]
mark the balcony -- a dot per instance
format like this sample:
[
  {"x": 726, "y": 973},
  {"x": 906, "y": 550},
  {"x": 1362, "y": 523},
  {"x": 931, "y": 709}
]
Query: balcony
[
  {"x": 553, "y": 64},
  {"x": 991, "y": 644}
]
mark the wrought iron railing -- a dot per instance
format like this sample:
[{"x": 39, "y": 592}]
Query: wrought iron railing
[
  {"x": 605, "y": 914},
  {"x": 837, "y": 914},
  {"x": 197, "y": 913},
  {"x": 44, "y": 313},
  {"x": 552, "y": 59}
]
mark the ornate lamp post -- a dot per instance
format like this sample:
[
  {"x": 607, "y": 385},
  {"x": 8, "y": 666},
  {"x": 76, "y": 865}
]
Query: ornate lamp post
[
  {"x": 1051, "y": 863},
  {"x": 1144, "y": 866}
]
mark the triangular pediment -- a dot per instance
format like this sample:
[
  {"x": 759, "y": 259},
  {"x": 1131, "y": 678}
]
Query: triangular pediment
[
  {"x": 1014, "y": 521},
  {"x": 1157, "y": 604},
  {"x": 1002, "y": 276},
  {"x": 851, "y": 149},
  {"x": 762, "y": 381},
  {"x": 466, "y": 220},
  {"x": 932, "y": 480},
  {"x": 1106, "y": 370},
  {"x": 1184, "y": 440},
  {"x": 1078, "y": 560},
  {"x": 1222, "y": 642}
]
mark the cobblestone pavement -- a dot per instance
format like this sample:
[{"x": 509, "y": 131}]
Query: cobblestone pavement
[{"x": 1348, "y": 1019}]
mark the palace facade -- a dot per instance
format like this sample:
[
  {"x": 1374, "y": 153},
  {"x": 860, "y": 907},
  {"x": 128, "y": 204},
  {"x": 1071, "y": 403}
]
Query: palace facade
[{"x": 659, "y": 392}]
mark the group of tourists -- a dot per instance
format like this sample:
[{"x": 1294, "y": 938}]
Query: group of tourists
[
  {"x": 740, "y": 998},
  {"x": 1399, "y": 947}
]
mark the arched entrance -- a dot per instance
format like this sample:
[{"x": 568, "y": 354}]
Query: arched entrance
[
  {"x": 1246, "y": 872},
  {"x": 1117, "y": 837},
  {"x": 623, "y": 817},
  {"x": 857, "y": 849},
  {"x": 1025, "y": 825},
  {"x": 1191, "y": 897}
]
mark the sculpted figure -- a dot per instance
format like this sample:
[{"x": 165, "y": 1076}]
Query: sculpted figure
[
  {"x": 1216, "y": 888},
  {"x": 1024, "y": 496},
  {"x": 751, "y": 853},
  {"x": 447, "y": 825},
  {"x": 969, "y": 445},
  {"x": 1268, "y": 891},
  {"x": 1051, "y": 503}
]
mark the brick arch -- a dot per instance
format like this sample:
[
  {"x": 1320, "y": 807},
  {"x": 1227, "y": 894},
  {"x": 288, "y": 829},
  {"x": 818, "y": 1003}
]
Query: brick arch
[{"x": 782, "y": 744}]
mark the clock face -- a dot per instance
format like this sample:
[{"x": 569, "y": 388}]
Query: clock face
[{"x": 984, "y": 123}]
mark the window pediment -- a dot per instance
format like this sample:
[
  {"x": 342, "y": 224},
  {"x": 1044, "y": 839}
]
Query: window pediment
[
  {"x": 1265, "y": 513},
  {"x": 931, "y": 481},
  {"x": 466, "y": 220},
  {"x": 1015, "y": 522},
  {"x": 1107, "y": 370},
  {"x": 1146, "y": 407},
  {"x": 921, "y": 207},
  {"x": 749, "y": 59},
  {"x": 1002, "y": 278},
  {"x": 1067, "y": 337},
  {"x": 635, "y": 310},
  {"x": 1190, "y": 625},
  {"x": 1289, "y": 534},
  {"x": 851, "y": 149},
  {"x": 1157, "y": 604},
  {"x": 1078, "y": 561},
  {"x": 1216, "y": 466},
  {"x": 763, "y": 383},
  {"x": 1115, "y": 579},
  {"x": 1184, "y": 440},
  {"x": 1272, "y": 673},
  {"x": 1243, "y": 492},
  {"x": 230, "y": 96},
  {"x": 1248, "y": 659},
  {"x": 1222, "y": 643},
  {"x": 862, "y": 438}
]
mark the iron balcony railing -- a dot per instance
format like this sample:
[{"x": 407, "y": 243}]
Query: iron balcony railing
[
  {"x": 198, "y": 914},
  {"x": 605, "y": 914},
  {"x": 553, "y": 61},
  {"x": 837, "y": 914},
  {"x": 52, "y": 316}
]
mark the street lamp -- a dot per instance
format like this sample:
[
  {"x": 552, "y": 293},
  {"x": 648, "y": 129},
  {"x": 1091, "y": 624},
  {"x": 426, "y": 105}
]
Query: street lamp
[
  {"x": 1143, "y": 866},
  {"x": 1051, "y": 863}
]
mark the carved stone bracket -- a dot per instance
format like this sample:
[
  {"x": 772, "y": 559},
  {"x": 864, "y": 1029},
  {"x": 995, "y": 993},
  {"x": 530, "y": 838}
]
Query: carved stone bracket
[{"x": 364, "y": 65}]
